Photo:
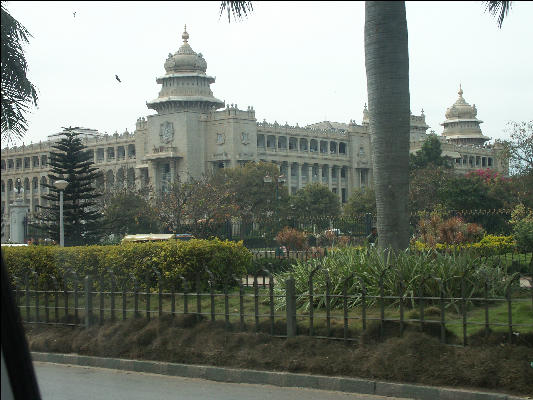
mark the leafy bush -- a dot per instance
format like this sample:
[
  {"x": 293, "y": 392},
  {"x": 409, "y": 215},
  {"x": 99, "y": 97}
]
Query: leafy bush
[
  {"x": 272, "y": 264},
  {"x": 522, "y": 221},
  {"x": 434, "y": 230},
  {"x": 489, "y": 245},
  {"x": 138, "y": 260},
  {"x": 414, "y": 271},
  {"x": 292, "y": 238}
]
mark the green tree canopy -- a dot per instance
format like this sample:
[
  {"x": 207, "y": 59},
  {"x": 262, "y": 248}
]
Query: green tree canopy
[
  {"x": 361, "y": 202},
  {"x": 73, "y": 163},
  {"x": 425, "y": 185},
  {"x": 258, "y": 188},
  {"x": 430, "y": 153},
  {"x": 129, "y": 212},
  {"x": 315, "y": 200}
]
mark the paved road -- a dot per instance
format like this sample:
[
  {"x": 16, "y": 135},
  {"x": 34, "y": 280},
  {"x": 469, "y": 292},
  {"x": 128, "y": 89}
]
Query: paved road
[{"x": 62, "y": 382}]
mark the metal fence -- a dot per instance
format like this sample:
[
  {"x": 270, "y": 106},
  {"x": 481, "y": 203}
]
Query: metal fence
[{"x": 281, "y": 312}]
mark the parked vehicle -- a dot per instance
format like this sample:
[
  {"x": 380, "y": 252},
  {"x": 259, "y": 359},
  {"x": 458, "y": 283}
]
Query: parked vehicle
[{"x": 156, "y": 237}]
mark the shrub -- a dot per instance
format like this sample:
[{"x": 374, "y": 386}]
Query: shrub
[
  {"x": 138, "y": 260},
  {"x": 434, "y": 230},
  {"x": 489, "y": 245},
  {"x": 522, "y": 221},
  {"x": 292, "y": 238}
]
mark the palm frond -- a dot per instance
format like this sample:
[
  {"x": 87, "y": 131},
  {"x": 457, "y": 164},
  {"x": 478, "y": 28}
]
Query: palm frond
[
  {"x": 238, "y": 9},
  {"x": 18, "y": 93},
  {"x": 498, "y": 9}
]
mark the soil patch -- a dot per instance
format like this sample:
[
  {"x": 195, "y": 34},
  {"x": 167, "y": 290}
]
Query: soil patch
[{"x": 489, "y": 363}]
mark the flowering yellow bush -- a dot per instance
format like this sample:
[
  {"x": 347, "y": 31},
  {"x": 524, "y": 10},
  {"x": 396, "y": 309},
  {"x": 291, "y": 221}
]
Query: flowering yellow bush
[{"x": 489, "y": 245}]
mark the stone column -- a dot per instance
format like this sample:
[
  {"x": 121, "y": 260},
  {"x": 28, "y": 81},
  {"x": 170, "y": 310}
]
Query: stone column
[
  {"x": 330, "y": 175},
  {"x": 319, "y": 173},
  {"x": 17, "y": 211},
  {"x": 289, "y": 176},
  {"x": 339, "y": 184},
  {"x": 299, "y": 168}
]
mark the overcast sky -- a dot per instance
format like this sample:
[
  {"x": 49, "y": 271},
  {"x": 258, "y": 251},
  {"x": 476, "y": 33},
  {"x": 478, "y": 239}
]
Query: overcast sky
[{"x": 293, "y": 62}]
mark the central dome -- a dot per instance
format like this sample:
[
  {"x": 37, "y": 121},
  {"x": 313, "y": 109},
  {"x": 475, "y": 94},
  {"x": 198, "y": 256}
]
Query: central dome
[
  {"x": 461, "y": 109},
  {"x": 185, "y": 59}
]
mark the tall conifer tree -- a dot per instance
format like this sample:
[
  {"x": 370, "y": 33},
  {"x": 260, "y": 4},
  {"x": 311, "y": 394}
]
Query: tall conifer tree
[{"x": 73, "y": 163}]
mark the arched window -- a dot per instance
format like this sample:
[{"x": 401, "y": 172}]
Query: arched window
[
  {"x": 293, "y": 143},
  {"x": 342, "y": 148},
  {"x": 131, "y": 178},
  {"x": 109, "y": 180}
]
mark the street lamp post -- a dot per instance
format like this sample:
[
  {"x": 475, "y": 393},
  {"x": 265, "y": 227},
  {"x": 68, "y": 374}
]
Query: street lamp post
[
  {"x": 281, "y": 179},
  {"x": 61, "y": 186}
]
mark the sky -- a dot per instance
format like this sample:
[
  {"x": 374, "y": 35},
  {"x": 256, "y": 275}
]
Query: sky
[{"x": 294, "y": 62}]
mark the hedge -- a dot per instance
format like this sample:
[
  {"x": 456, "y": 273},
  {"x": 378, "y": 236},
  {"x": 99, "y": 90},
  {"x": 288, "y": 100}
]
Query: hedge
[
  {"x": 488, "y": 246},
  {"x": 139, "y": 260}
]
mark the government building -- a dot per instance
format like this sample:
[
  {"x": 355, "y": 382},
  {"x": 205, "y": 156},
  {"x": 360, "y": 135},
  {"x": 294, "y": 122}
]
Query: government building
[{"x": 192, "y": 133}]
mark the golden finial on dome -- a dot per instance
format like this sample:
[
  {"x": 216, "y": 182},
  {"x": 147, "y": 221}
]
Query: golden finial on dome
[
  {"x": 460, "y": 92},
  {"x": 185, "y": 35}
]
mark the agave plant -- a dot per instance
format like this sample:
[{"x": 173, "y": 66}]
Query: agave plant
[{"x": 407, "y": 275}]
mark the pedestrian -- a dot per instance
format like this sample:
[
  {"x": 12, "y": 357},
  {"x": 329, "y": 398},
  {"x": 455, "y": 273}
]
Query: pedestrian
[{"x": 373, "y": 237}]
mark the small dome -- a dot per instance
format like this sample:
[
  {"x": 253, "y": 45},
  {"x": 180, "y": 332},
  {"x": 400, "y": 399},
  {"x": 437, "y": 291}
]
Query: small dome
[
  {"x": 185, "y": 59},
  {"x": 461, "y": 109}
]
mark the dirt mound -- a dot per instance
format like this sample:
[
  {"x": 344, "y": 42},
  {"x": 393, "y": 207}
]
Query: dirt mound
[{"x": 489, "y": 363}]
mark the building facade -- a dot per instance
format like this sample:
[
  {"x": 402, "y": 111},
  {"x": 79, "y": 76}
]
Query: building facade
[{"x": 192, "y": 133}]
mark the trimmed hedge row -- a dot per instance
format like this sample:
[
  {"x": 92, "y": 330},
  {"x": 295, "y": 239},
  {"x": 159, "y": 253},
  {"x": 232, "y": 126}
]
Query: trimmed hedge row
[
  {"x": 139, "y": 260},
  {"x": 488, "y": 246}
]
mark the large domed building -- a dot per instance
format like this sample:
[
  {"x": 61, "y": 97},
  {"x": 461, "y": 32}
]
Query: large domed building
[{"x": 192, "y": 132}]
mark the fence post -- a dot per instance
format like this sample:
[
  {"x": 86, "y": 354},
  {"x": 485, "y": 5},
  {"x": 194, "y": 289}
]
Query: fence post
[
  {"x": 291, "y": 307},
  {"x": 112, "y": 305},
  {"x": 88, "y": 301},
  {"x": 27, "y": 296},
  {"x": 256, "y": 302},
  {"x": 368, "y": 223},
  {"x": 102, "y": 299},
  {"x": 328, "y": 304}
]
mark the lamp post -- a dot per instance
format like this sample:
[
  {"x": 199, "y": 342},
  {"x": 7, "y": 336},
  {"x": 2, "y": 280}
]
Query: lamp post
[
  {"x": 61, "y": 186},
  {"x": 280, "y": 179}
]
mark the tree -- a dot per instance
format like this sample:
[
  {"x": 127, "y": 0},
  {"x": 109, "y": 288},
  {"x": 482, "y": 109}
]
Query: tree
[
  {"x": 315, "y": 200},
  {"x": 255, "y": 198},
  {"x": 361, "y": 202},
  {"x": 519, "y": 149},
  {"x": 18, "y": 93},
  {"x": 478, "y": 190},
  {"x": 425, "y": 185},
  {"x": 199, "y": 206},
  {"x": 129, "y": 212},
  {"x": 429, "y": 154},
  {"x": 171, "y": 206},
  {"x": 73, "y": 163},
  {"x": 387, "y": 71}
]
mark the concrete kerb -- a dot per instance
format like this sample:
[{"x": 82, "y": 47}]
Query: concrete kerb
[{"x": 283, "y": 379}]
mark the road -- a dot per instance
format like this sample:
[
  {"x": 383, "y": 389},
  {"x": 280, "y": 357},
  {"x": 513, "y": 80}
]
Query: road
[{"x": 62, "y": 382}]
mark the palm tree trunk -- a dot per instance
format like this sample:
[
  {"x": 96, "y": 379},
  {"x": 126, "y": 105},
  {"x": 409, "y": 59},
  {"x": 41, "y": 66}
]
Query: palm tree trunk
[{"x": 387, "y": 71}]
